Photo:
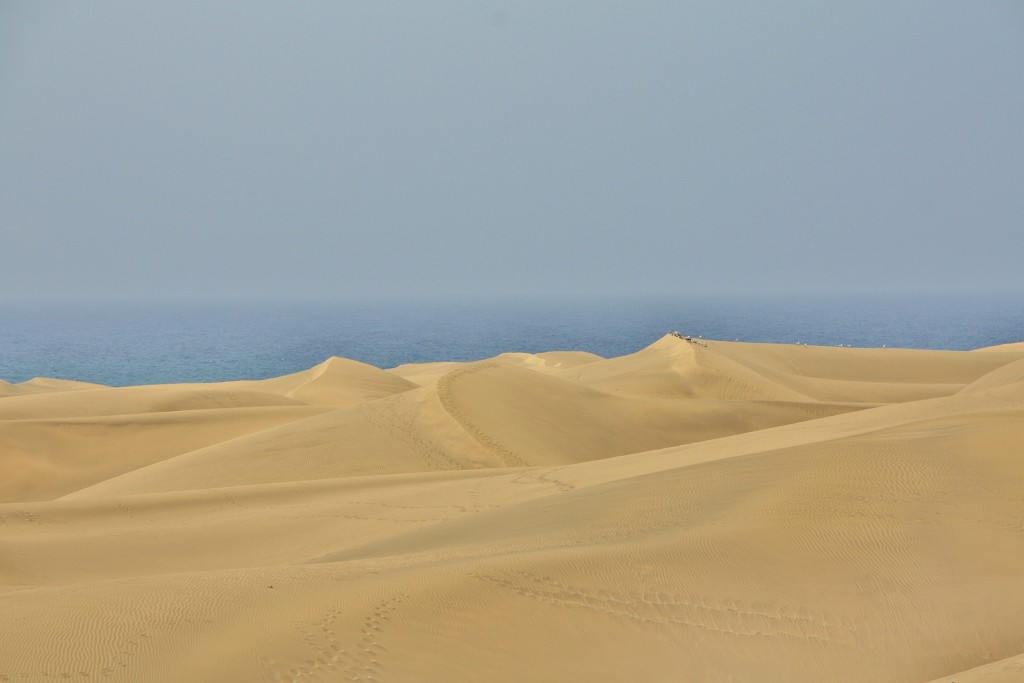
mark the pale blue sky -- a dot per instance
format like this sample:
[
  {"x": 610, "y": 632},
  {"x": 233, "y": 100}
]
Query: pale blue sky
[{"x": 354, "y": 148}]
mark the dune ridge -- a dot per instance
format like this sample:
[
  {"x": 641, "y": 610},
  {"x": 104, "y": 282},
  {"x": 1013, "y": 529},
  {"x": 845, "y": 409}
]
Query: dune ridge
[{"x": 706, "y": 511}]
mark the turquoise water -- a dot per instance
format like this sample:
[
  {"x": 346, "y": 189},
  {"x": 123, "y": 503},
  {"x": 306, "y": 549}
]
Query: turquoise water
[{"x": 122, "y": 343}]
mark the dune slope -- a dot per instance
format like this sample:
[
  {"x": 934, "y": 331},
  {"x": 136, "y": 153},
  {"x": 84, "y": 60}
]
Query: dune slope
[{"x": 718, "y": 512}]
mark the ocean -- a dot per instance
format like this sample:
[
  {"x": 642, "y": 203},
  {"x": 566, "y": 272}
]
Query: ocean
[{"x": 122, "y": 343}]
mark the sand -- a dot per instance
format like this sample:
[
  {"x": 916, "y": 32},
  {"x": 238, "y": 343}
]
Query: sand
[{"x": 691, "y": 512}]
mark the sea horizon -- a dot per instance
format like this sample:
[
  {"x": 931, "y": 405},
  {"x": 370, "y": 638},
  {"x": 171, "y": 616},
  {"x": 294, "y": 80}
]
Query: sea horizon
[{"x": 149, "y": 340}]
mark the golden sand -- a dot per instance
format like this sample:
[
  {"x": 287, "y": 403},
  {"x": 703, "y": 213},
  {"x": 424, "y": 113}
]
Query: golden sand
[{"x": 708, "y": 511}]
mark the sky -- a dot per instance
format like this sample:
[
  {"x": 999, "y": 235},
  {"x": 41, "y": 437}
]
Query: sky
[{"x": 353, "y": 149}]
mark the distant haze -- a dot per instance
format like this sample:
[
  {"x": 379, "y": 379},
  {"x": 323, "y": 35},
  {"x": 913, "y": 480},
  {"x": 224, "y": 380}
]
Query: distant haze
[{"x": 354, "y": 148}]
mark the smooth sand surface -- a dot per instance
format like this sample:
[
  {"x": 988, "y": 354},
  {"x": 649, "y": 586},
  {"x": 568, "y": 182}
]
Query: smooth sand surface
[{"x": 709, "y": 511}]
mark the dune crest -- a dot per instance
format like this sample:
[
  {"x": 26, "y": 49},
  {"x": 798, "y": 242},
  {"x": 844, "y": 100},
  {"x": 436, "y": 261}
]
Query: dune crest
[
  {"x": 1013, "y": 347},
  {"x": 697, "y": 510}
]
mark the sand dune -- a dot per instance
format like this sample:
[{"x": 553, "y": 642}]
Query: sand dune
[
  {"x": 42, "y": 385},
  {"x": 1009, "y": 670},
  {"x": 134, "y": 401},
  {"x": 718, "y": 512},
  {"x": 1011, "y": 373},
  {"x": 335, "y": 382},
  {"x": 1015, "y": 347},
  {"x": 478, "y": 415},
  {"x": 46, "y": 458}
]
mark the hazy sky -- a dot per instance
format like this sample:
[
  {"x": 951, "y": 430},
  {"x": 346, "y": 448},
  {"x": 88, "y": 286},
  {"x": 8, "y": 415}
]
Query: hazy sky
[{"x": 351, "y": 148}]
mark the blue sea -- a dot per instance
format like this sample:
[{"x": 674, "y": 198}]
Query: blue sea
[{"x": 145, "y": 342}]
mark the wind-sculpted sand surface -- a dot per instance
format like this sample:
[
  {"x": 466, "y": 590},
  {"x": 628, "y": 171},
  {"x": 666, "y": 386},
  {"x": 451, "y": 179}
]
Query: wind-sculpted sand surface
[{"x": 696, "y": 511}]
